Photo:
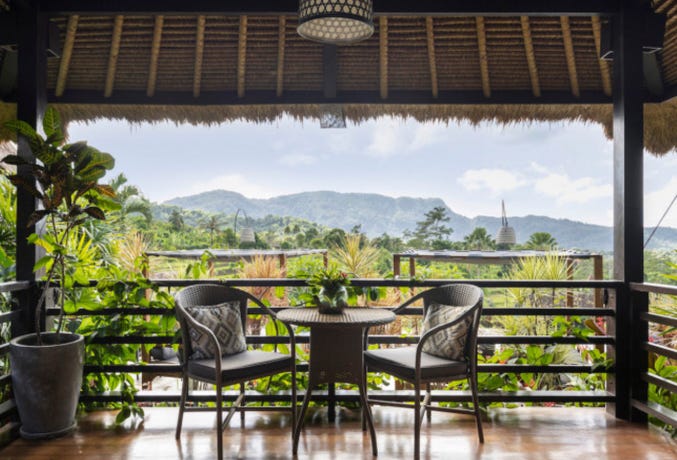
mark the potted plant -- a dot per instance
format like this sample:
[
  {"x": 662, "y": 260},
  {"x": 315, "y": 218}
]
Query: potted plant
[
  {"x": 333, "y": 289},
  {"x": 47, "y": 366}
]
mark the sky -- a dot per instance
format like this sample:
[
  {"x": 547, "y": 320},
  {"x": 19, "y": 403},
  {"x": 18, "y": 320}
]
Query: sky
[{"x": 561, "y": 170}]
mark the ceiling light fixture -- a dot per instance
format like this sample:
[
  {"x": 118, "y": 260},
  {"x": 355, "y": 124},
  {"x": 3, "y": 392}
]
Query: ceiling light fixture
[{"x": 336, "y": 21}]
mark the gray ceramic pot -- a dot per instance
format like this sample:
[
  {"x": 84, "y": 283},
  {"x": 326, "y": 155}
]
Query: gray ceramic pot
[{"x": 46, "y": 382}]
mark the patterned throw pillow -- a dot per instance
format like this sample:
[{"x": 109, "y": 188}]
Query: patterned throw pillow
[
  {"x": 224, "y": 321},
  {"x": 448, "y": 343}
]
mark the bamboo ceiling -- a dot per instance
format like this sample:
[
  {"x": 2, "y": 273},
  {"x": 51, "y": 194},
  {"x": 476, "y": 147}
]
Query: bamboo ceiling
[{"x": 157, "y": 60}]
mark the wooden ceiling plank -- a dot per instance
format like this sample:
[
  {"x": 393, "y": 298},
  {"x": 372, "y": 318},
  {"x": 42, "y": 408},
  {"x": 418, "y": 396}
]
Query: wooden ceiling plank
[
  {"x": 155, "y": 55},
  {"x": 199, "y": 53},
  {"x": 113, "y": 56},
  {"x": 383, "y": 56},
  {"x": 570, "y": 56},
  {"x": 282, "y": 35},
  {"x": 531, "y": 56},
  {"x": 604, "y": 70},
  {"x": 242, "y": 56},
  {"x": 67, "y": 53},
  {"x": 432, "y": 61},
  {"x": 484, "y": 62}
]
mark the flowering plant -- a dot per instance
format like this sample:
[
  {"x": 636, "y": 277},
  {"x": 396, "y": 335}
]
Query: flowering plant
[{"x": 330, "y": 280}]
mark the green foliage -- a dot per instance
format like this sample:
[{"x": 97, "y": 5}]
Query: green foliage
[
  {"x": 431, "y": 230},
  {"x": 479, "y": 240},
  {"x": 541, "y": 241},
  {"x": 119, "y": 288}
]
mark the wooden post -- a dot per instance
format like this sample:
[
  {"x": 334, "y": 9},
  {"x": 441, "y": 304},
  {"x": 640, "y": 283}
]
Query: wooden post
[
  {"x": 598, "y": 274},
  {"x": 396, "y": 265},
  {"x": 628, "y": 130},
  {"x": 31, "y": 102},
  {"x": 570, "y": 276},
  {"x": 412, "y": 266}
]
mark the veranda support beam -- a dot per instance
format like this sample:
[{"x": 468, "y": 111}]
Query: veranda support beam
[
  {"x": 155, "y": 54},
  {"x": 603, "y": 65},
  {"x": 570, "y": 56},
  {"x": 31, "y": 103},
  {"x": 113, "y": 56},
  {"x": 281, "y": 38},
  {"x": 257, "y": 97},
  {"x": 383, "y": 56},
  {"x": 242, "y": 57},
  {"x": 484, "y": 64},
  {"x": 381, "y": 7},
  {"x": 199, "y": 51},
  {"x": 64, "y": 64},
  {"x": 531, "y": 57},
  {"x": 628, "y": 131},
  {"x": 432, "y": 61}
]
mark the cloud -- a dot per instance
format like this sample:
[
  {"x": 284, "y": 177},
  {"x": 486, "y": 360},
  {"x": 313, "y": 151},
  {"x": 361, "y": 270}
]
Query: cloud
[
  {"x": 232, "y": 182},
  {"x": 387, "y": 140},
  {"x": 294, "y": 159},
  {"x": 495, "y": 180},
  {"x": 657, "y": 202},
  {"x": 568, "y": 190}
]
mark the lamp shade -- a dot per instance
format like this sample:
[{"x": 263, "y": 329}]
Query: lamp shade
[
  {"x": 506, "y": 235},
  {"x": 336, "y": 21},
  {"x": 247, "y": 235}
]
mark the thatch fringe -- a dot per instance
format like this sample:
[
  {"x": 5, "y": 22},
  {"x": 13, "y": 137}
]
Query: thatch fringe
[{"x": 659, "y": 132}]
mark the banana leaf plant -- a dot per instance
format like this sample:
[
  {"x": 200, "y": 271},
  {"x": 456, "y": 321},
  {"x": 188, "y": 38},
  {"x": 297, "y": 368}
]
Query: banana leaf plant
[{"x": 65, "y": 182}]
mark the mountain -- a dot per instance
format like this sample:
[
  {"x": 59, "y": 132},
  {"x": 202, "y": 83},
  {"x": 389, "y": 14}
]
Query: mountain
[{"x": 378, "y": 214}]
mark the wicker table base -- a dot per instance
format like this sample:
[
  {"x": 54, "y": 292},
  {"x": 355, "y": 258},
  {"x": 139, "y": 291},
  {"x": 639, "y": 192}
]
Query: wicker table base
[{"x": 336, "y": 353}]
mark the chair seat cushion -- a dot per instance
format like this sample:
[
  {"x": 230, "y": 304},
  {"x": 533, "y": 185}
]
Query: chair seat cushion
[
  {"x": 241, "y": 366},
  {"x": 401, "y": 362}
]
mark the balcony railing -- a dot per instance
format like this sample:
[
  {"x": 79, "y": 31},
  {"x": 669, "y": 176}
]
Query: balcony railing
[{"x": 616, "y": 311}]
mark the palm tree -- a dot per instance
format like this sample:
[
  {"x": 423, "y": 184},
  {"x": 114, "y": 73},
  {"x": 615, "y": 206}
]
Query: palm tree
[
  {"x": 131, "y": 200},
  {"x": 176, "y": 220},
  {"x": 541, "y": 241},
  {"x": 479, "y": 240},
  {"x": 213, "y": 225}
]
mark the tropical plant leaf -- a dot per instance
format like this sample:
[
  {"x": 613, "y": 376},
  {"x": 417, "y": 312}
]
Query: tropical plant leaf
[
  {"x": 37, "y": 216},
  {"x": 51, "y": 123},
  {"x": 95, "y": 212},
  {"x": 15, "y": 160}
]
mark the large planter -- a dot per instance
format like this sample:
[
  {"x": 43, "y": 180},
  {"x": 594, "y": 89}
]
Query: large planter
[{"x": 46, "y": 382}]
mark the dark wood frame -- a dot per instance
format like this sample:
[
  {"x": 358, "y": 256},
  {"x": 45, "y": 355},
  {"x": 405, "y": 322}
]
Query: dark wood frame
[{"x": 628, "y": 100}]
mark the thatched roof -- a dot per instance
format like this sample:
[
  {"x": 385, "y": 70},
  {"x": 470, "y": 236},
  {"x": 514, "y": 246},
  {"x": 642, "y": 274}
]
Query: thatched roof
[{"x": 211, "y": 69}]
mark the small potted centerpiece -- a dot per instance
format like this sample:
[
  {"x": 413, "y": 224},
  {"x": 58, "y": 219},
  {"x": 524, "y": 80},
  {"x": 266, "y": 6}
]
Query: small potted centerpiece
[
  {"x": 46, "y": 367},
  {"x": 332, "y": 296}
]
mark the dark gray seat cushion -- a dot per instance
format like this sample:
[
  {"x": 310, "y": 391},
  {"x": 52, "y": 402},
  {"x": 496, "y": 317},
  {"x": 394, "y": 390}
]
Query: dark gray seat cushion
[
  {"x": 241, "y": 366},
  {"x": 401, "y": 362}
]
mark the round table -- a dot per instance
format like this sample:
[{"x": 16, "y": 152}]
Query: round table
[{"x": 336, "y": 352}]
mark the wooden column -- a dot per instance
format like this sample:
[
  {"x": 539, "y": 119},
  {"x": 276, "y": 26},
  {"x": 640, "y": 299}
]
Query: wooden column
[
  {"x": 31, "y": 102},
  {"x": 628, "y": 128}
]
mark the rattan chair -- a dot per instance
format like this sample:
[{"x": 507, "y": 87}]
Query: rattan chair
[
  {"x": 230, "y": 369},
  {"x": 418, "y": 367}
]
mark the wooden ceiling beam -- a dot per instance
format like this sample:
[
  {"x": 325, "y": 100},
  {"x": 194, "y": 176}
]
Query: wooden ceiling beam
[
  {"x": 432, "y": 61},
  {"x": 383, "y": 56},
  {"x": 113, "y": 56},
  {"x": 199, "y": 52},
  {"x": 155, "y": 55},
  {"x": 281, "y": 38},
  {"x": 258, "y": 97},
  {"x": 570, "y": 56},
  {"x": 531, "y": 56},
  {"x": 242, "y": 57},
  {"x": 67, "y": 53},
  {"x": 605, "y": 72},
  {"x": 381, "y": 7},
  {"x": 484, "y": 60}
]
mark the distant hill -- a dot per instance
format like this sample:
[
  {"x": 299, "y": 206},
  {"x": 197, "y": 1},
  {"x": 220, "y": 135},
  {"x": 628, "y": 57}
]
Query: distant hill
[{"x": 380, "y": 214}]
